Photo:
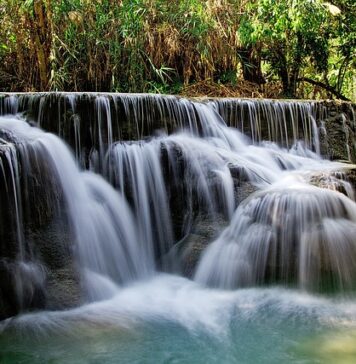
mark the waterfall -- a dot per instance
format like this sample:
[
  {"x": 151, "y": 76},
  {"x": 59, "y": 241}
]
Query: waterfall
[
  {"x": 278, "y": 121},
  {"x": 289, "y": 233},
  {"x": 91, "y": 122},
  {"x": 102, "y": 224},
  {"x": 146, "y": 170},
  {"x": 9, "y": 161},
  {"x": 137, "y": 173}
]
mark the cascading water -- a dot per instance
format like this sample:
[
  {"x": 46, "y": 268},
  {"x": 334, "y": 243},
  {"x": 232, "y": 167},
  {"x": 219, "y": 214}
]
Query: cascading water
[
  {"x": 25, "y": 274},
  {"x": 288, "y": 219},
  {"x": 91, "y": 121},
  {"x": 100, "y": 219},
  {"x": 290, "y": 232}
]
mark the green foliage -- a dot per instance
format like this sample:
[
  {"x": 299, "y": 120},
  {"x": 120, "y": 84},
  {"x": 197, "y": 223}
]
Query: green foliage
[
  {"x": 161, "y": 45},
  {"x": 294, "y": 34}
]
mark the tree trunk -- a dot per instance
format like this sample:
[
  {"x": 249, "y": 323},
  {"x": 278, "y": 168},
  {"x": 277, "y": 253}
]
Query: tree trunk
[
  {"x": 251, "y": 66},
  {"x": 297, "y": 61},
  {"x": 281, "y": 66},
  {"x": 41, "y": 40}
]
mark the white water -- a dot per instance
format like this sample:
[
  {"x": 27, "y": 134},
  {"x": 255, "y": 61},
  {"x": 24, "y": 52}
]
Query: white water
[
  {"x": 137, "y": 167},
  {"x": 12, "y": 188},
  {"x": 119, "y": 245},
  {"x": 100, "y": 219},
  {"x": 289, "y": 231},
  {"x": 176, "y": 299},
  {"x": 176, "y": 320}
]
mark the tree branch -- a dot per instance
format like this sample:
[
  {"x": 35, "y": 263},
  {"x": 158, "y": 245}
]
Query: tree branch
[{"x": 324, "y": 86}]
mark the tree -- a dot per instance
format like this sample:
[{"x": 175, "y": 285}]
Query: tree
[{"x": 289, "y": 34}]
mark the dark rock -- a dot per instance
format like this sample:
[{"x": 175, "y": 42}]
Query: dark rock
[
  {"x": 36, "y": 250},
  {"x": 205, "y": 230},
  {"x": 338, "y": 131},
  {"x": 63, "y": 289},
  {"x": 21, "y": 287},
  {"x": 343, "y": 180}
]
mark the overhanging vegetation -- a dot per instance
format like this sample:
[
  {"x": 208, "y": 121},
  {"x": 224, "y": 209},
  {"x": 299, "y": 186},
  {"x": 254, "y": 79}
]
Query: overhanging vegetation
[{"x": 268, "y": 48}]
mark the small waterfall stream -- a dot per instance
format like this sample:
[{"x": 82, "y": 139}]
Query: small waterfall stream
[
  {"x": 100, "y": 219},
  {"x": 141, "y": 184}
]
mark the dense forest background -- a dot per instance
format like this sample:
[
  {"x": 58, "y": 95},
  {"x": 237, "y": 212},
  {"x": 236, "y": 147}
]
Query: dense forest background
[{"x": 269, "y": 48}]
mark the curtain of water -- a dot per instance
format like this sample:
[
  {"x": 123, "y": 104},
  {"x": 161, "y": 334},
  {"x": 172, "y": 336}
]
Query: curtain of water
[{"x": 192, "y": 165}]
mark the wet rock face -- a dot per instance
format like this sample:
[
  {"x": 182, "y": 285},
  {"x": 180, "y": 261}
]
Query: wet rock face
[
  {"x": 46, "y": 277},
  {"x": 7, "y": 231},
  {"x": 54, "y": 247},
  {"x": 35, "y": 241},
  {"x": 63, "y": 289},
  {"x": 21, "y": 287},
  {"x": 351, "y": 177},
  {"x": 343, "y": 181},
  {"x": 204, "y": 230},
  {"x": 338, "y": 132},
  {"x": 38, "y": 271}
]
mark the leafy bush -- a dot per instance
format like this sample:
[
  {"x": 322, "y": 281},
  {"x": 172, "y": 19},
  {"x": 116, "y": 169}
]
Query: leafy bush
[{"x": 165, "y": 45}]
